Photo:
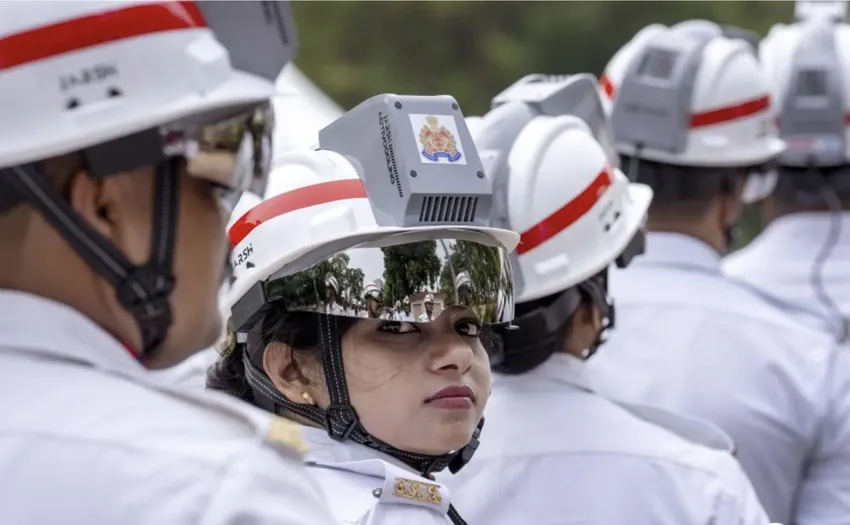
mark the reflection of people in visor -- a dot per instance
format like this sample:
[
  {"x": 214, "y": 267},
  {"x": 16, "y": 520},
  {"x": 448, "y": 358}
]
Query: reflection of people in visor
[
  {"x": 428, "y": 315},
  {"x": 331, "y": 293},
  {"x": 374, "y": 299},
  {"x": 412, "y": 391},
  {"x": 463, "y": 286},
  {"x": 405, "y": 310}
]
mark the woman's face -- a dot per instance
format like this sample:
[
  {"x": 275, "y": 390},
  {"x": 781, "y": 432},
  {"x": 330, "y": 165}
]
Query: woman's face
[{"x": 419, "y": 387}]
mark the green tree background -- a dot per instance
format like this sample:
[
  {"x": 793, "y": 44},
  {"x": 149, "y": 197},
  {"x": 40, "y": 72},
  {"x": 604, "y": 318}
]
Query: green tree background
[
  {"x": 408, "y": 268},
  {"x": 473, "y": 50}
]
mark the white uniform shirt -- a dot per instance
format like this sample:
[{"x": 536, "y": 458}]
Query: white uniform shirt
[
  {"x": 779, "y": 263},
  {"x": 191, "y": 373},
  {"x": 89, "y": 437},
  {"x": 366, "y": 487},
  {"x": 691, "y": 341},
  {"x": 552, "y": 452}
]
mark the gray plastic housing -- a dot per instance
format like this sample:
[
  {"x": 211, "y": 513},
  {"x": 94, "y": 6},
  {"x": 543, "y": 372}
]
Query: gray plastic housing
[
  {"x": 246, "y": 27},
  {"x": 657, "y": 90},
  {"x": 812, "y": 118},
  {"x": 516, "y": 106},
  {"x": 555, "y": 95},
  {"x": 416, "y": 159}
]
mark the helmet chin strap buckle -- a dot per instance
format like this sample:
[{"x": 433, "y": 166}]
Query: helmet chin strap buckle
[
  {"x": 145, "y": 295},
  {"x": 344, "y": 416},
  {"x": 464, "y": 455}
]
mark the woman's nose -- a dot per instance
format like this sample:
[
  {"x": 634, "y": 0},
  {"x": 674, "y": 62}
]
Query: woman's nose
[{"x": 451, "y": 353}]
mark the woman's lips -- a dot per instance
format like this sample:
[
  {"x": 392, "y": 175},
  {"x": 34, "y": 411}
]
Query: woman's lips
[{"x": 460, "y": 397}]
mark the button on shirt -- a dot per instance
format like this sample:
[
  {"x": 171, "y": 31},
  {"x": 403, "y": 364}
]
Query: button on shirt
[
  {"x": 89, "y": 437},
  {"x": 553, "y": 452},
  {"x": 366, "y": 487},
  {"x": 779, "y": 263},
  {"x": 691, "y": 341}
]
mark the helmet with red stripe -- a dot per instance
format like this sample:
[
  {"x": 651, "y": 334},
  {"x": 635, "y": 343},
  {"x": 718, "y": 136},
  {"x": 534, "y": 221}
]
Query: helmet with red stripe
[
  {"x": 124, "y": 85},
  {"x": 396, "y": 181},
  {"x": 577, "y": 213},
  {"x": 808, "y": 63},
  {"x": 693, "y": 95}
]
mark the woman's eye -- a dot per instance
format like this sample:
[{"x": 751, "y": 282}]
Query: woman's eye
[
  {"x": 395, "y": 327},
  {"x": 468, "y": 328}
]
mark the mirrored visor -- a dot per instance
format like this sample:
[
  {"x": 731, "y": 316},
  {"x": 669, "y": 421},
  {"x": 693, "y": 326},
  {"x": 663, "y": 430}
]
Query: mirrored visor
[{"x": 409, "y": 277}]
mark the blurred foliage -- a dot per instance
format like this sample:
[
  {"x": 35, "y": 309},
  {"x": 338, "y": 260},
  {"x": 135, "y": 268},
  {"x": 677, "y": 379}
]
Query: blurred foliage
[{"x": 473, "y": 50}]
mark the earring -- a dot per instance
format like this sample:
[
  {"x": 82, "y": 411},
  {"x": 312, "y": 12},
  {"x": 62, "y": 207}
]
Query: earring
[{"x": 308, "y": 398}]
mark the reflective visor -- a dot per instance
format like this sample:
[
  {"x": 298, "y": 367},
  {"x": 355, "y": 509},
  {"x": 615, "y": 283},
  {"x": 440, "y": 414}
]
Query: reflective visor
[
  {"x": 233, "y": 153},
  {"x": 418, "y": 270}
]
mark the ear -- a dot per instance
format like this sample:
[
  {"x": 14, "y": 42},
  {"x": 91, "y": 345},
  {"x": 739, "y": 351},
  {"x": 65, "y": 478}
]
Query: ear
[
  {"x": 281, "y": 367},
  {"x": 86, "y": 196}
]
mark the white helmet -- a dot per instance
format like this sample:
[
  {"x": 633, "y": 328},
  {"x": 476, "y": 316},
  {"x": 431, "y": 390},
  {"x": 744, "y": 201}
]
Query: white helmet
[
  {"x": 406, "y": 300},
  {"x": 429, "y": 298},
  {"x": 307, "y": 110},
  {"x": 373, "y": 291},
  {"x": 333, "y": 208},
  {"x": 330, "y": 281},
  {"x": 462, "y": 279},
  {"x": 688, "y": 95},
  {"x": 577, "y": 214},
  {"x": 136, "y": 85},
  {"x": 808, "y": 64}
]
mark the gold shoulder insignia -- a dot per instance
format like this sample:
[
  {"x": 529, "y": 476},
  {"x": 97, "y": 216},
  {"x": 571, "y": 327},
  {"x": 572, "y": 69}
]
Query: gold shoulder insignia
[
  {"x": 418, "y": 490},
  {"x": 284, "y": 432}
]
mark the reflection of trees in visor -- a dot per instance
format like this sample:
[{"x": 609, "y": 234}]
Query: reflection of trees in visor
[
  {"x": 409, "y": 268},
  {"x": 311, "y": 284},
  {"x": 457, "y": 272},
  {"x": 485, "y": 270}
]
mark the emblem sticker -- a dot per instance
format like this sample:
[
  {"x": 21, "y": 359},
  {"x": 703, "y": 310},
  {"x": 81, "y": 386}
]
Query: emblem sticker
[{"x": 438, "y": 139}]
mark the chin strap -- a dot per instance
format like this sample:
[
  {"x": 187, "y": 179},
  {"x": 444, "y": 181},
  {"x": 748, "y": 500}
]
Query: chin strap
[
  {"x": 144, "y": 291},
  {"x": 340, "y": 419}
]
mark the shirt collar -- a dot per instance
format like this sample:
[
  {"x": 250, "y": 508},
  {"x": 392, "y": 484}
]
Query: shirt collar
[
  {"x": 672, "y": 249},
  {"x": 43, "y": 326},
  {"x": 801, "y": 235},
  {"x": 560, "y": 368},
  {"x": 322, "y": 450}
]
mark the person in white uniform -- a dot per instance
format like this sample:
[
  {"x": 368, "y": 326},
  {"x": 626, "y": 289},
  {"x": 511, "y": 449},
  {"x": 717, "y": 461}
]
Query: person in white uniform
[
  {"x": 387, "y": 403},
  {"x": 688, "y": 339},
  {"x": 802, "y": 258},
  {"x": 120, "y": 152},
  {"x": 553, "y": 451},
  {"x": 428, "y": 314},
  {"x": 405, "y": 314}
]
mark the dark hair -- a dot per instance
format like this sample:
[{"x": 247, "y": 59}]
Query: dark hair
[
  {"x": 298, "y": 330},
  {"x": 535, "y": 351},
  {"x": 802, "y": 189},
  {"x": 683, "y": 192}
]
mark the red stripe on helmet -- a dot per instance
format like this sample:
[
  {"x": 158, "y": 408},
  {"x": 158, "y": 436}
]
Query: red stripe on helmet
[
  {"x": 712, "y": 117},
  {"x": 607, "y": 86},
  {"x": 567, "y": 215},
  {"x": 96, "y": 29},
  {"x": 295, "y": 200},
  {"x": 725, "y": 114}
]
